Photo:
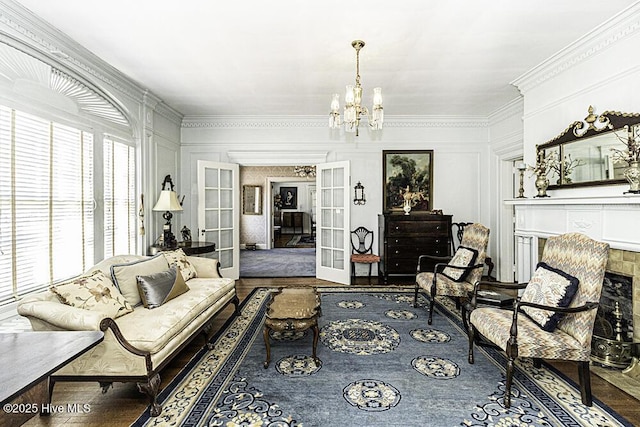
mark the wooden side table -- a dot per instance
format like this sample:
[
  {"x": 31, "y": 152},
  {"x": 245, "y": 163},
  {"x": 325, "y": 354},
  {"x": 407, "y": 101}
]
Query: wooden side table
[
  {"x": 189, "y": 248},
  {"x": 293, "y": 310}
]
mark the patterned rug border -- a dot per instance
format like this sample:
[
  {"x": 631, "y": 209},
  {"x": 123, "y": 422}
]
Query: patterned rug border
[{"x": 234, "y": 352}]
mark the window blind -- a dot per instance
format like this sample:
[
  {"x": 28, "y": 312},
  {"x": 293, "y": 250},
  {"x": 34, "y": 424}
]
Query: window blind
[
  {"x": 119, "y": 198},
  {"x": 46, "y": 203}
]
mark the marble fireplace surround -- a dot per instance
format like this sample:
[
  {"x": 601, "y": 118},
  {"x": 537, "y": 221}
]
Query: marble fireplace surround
[{"x": 612, "y": 219}]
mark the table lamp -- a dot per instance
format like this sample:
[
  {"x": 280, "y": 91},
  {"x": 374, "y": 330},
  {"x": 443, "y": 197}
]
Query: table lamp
[{"x": 168, "y": 202}]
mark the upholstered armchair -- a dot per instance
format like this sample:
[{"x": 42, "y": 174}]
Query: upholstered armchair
[
  {"x": 554, "y": 317},
  {"x": 454, "y": 276}
]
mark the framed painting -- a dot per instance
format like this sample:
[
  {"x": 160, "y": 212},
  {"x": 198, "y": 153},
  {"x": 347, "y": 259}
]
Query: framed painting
[
  {"x": 289, "y": 197},
  {"x": 407, "y": 179}
]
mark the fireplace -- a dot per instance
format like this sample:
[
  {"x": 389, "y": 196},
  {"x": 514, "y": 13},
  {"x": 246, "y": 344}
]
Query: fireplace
[
  {"x": 612, "y": 340},
  {"x": 609, "y": 219}
]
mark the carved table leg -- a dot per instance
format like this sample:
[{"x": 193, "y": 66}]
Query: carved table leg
[
  {"x": 316, "y": 334},
  {"x": 150, "y": 388}
]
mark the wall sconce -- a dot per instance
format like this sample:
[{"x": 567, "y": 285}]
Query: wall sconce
[
  {"x": 359, "y": 198},
  {"x": 168, "y": 202},
  {"x": 522, "y": 166}
]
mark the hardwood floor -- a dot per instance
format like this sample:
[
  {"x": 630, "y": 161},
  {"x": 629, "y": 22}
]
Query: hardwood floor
[{"x": 122, "y": 404}]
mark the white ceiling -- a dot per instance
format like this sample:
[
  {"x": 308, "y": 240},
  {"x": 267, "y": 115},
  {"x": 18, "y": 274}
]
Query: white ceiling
[{"x": 286, "y": 57}]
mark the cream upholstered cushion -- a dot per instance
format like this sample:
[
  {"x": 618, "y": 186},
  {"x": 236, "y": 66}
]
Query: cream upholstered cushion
[
  {"x": 464, "y": 257},
  {"x": 94, "y": 292},
  {"x": 179, "y": 259},
  {"x": 124, "y": 275},
  {"x": 151, "y": 330},
  {"x": 446, "y": 286},
  {"x": 158, "y": 288},
  {"x": 495, "y": 324},
  {"x": 552, "y": 287}
]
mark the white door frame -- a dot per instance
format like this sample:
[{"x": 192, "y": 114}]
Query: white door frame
[{"x": 269, "y": 202}]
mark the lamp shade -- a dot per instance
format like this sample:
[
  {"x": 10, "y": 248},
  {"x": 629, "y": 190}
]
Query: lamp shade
[{"x": 168, "y": 201}]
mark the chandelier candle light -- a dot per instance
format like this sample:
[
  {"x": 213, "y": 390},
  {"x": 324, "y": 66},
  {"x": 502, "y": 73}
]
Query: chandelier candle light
[{"x": 353, "y": 99}]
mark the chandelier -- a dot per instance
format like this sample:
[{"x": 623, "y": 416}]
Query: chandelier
[
  {"x": 305, "y": 171},
  {"x": 352, "y": 100}
]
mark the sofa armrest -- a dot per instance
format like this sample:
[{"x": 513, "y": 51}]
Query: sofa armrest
[
  {"x": 61, "y": 315},
  {"x": 206, "y": 267}
]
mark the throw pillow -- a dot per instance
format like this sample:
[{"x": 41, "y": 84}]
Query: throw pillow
[
  {"x": 464, "y": 257},
  {"x": 179, "y": 259},
  {"x": 124, "y": 275},
  {"x": 158, "y": 288},
  {"x": 552, "y": 287},
  {"x": 93, "y": 292}
]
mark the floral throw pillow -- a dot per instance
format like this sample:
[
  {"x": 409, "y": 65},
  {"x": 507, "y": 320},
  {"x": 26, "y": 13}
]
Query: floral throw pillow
[
  {"x": 95, "y": 292},
  {"x": 464, "y": 257},
  {"x": 552, "y": 287},
  {"x": 179, "y": 259}
]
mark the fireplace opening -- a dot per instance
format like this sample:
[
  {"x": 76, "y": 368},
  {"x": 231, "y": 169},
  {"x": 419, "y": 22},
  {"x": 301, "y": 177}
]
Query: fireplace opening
[{"x": 613, "y": 330}]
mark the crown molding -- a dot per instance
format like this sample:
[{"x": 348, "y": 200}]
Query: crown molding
[
  {"x": 281, "y": 122},
  {"x": 283, "y": 158},
  {"x": 619, "y": 27},
  {"x": 22, "y": 25}
]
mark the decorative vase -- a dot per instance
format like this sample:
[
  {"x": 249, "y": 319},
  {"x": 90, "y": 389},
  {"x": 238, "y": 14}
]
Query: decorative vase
[
  {"x": 632, "y": 173},
  {"x": 541, "y": 184},
  {"x": 407, "y": 207}
]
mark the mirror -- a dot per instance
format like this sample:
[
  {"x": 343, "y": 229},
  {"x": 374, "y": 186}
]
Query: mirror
[
  {"x": 587, "y": 150},
  {"x": 252, "y": 199}
]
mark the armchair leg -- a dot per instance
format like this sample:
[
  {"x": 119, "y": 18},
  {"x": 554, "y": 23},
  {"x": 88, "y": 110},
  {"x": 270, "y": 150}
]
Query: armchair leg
[
  {"x": 471, "y": 332},
  {"x": 537, "y": 362},
  {"x": 353, "y": 273},
  {"x": 507, "y": 391},
  {"x": 432, "y": 303},
  {"x": 415, "y": 297},
  {"x": 584, "y": 376}
]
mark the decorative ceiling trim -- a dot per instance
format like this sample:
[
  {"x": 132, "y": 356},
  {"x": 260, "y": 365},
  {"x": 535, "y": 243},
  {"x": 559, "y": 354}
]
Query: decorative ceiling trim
[
  {"x": 620, "y": 27},
  {"x": 283, "y": 158},
  {"x": 280, "y": 122},
  {"x": 66, "y": 54}
]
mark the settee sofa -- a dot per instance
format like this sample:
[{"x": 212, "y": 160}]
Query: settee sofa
[{"x": 142, "y": 332}]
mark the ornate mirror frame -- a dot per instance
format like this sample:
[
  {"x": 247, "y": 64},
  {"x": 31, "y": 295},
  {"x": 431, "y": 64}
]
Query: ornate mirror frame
[{"x": 587, "y": 148}]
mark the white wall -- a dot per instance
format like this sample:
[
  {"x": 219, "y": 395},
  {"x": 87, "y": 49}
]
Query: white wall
[
  {"x": 460, "y": 149},
  {"x": 602, "y": 69}
]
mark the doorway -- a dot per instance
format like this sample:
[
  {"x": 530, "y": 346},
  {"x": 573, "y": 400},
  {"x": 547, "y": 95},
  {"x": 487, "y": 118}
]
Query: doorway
[{"x": 290, "y": 249}]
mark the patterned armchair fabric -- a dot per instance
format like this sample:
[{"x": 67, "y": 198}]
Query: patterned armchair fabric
[
  {"x": 476, "y": 236},
  {"x": 579, "y": 256}
]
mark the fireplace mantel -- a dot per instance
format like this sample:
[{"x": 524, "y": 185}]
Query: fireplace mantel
[{"x": 611, "y": 219}]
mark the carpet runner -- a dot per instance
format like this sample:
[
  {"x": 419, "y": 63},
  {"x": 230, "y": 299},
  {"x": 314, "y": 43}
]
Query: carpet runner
[
  {"x": 381, "y": 365},
  {"x": 278, "y": 262}
]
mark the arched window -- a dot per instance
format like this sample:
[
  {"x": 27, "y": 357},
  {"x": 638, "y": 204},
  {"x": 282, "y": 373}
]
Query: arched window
[{"x": 67, "y": 184}]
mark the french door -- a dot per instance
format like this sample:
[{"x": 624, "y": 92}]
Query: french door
[
  {"x": 219, "y": 212},
  {"x": 333, "y": 247}
]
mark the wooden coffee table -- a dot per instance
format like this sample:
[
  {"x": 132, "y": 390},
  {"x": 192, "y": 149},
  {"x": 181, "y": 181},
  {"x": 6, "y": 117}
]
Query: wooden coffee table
[
  {"x": 27, "y": 360},
  {"x": 292, "y": 310}
]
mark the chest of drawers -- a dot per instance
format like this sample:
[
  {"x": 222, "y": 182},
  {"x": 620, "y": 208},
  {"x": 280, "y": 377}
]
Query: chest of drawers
[{"x": 403, "y": 238}]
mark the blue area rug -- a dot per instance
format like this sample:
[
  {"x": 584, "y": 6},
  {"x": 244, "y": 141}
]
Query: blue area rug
[{"x": 380, "y": 365}]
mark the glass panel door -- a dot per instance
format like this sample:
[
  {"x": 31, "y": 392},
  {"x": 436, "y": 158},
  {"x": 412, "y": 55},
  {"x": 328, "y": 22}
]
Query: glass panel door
[
  {"x": 333, "y": 248},
  {"x": 219, "y": 212}
]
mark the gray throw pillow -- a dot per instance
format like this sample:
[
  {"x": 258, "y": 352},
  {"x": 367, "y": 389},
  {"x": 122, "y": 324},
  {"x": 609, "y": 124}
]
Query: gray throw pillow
[{"x": 158, "y": 288}]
